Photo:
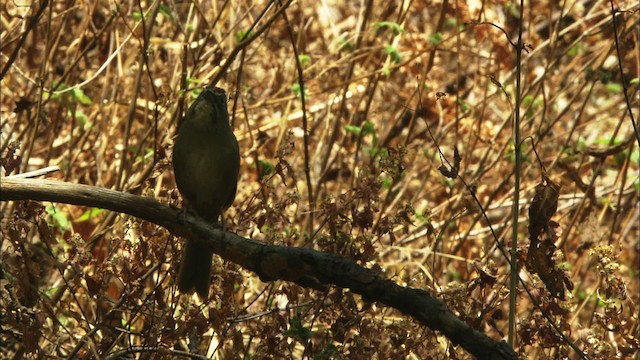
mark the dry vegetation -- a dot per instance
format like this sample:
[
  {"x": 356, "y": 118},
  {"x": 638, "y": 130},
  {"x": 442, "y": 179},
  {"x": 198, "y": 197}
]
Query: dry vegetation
[{"x": 390, "y": 92}]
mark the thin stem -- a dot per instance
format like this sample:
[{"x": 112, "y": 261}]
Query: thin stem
[{"x": 513, "y": 281}]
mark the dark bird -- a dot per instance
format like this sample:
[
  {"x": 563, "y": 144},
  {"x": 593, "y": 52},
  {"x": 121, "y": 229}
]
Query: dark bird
[{"x": 206, "y": 163}]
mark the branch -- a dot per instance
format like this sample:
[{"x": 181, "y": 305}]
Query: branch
[{"x": 303, "y": 266}]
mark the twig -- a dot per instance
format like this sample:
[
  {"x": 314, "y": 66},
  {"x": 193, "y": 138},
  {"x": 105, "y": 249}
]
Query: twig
[
  {"x": 32, "y": 23},
  {"x": 305, "y": 126}
]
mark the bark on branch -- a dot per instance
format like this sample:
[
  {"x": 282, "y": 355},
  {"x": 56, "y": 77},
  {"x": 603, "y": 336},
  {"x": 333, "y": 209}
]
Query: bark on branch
[{"x": 306, "y": 267}]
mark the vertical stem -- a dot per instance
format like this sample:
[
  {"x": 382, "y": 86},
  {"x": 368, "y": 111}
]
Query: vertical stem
[{"x": 513, "y": 283}]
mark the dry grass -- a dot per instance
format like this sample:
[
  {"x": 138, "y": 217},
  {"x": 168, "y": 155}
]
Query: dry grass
[{"x": 100, "y": 99}]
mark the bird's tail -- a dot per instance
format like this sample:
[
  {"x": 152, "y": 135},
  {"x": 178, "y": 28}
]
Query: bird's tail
[{"x": 195, "y": 270}]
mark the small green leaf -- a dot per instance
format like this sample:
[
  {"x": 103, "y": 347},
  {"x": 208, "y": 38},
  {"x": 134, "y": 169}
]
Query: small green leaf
[
  {"x": 305, "y": 60},
  {"x": 634, "y": 81},
  {"x": 450, "y": 22},
  {"x": 424, "y": 218},
  {"x": 266, "y": 168},
  {"x": 464, "y": 105},
  {"x": 387, "y": 182},
  {"x": 330, "y": 351},
  {"x": 83, "y": 120},
  {"x": 365, "y": 129},
  {"x": 619, "y": 158},
  {"x": 527, "y": 100},
  {"x": 193, "y": 83},
  {"x": 436, "y": 38},
  {"x": 635, "y": 156},
  {"x": 62, "y": 319},
  {"x": 298, "y": 331},
  {"x": 606, "y": 140},
  {"x": 356, "y": 130},
  {"x": 345, "y": 44},
  {"x": 196, "y": 92},
  {"x": 368, "y": 128},
  {"x": 582, "y": 144},
  {"x": 394, "y": 53},
  {"x": 79, "y": 95},
  {"x": 447, "y": 182},
  {"x": 295, "y": 88},
  {"x": 51, "y": 291},
  {"x": 59, "y": 218},
  {"x": 395, "y": 27},
  {"x": 165, "y": 11},
  {"x": 89, "y": 214},
  {"x": 574, "y": 49},
  {"x": 614, "y": 88},
  {"x": 373, "y": 151},
  {"x": 243, "y": 35}
]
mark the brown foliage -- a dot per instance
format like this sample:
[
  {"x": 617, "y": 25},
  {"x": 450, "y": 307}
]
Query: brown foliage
[{"x": 97, "y": 88}]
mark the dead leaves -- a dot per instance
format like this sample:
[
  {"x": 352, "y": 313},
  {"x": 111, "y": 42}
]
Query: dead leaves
[
  {"x": 542, "y": 236},
  {"x": 543, "y": 207}
]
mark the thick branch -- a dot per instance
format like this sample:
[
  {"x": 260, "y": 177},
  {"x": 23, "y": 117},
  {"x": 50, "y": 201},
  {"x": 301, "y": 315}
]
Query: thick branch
[{"x": 306, "y": 267}]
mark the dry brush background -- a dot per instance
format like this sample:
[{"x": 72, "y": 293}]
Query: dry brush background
[{"x": 391, "y": 91}]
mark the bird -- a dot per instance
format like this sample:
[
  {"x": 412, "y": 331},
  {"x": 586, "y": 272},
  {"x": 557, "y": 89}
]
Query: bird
[{"x": 206, "y": 166}]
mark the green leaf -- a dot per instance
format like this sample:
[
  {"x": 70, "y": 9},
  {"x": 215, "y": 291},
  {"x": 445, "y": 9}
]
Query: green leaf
[
  {"x": 373, "y": 151},
  {"x": 51, "y": 291},
  {"x": 393, "y": 52},
  {"x": 137, "y": 15},
  {"x": 395, "y": 27},
  {"x": 81, "y": 97},
  {"x": 89, "y": 214},
  {"x": 635, "y": 156},
  {"x": 424, "y": 218},
  {"x": 527, "y": 100},
  {"x": 387, "y": 182},
  {"x": 447, "y": 182},
  {"x": 614, "y": 88},
  {"x": 365, "y": 129},
  {"x": 297, "y": 331},
  {"x": 606, "y": 140},
  {"x": 355, "y": 130},
  {"x": 634, "y": 81},
  {"x": 464, "y": 105},
  {"x": 620, "y": 158},
  {"x": 83, "y": 120},
  {"x": 436, "y": 38},
  {"x": 266, "y": 168},
  {"x": 295, "y": 88},
  {"x": 368, "y": 128},
  {"x": 574, "y": 49},
  {"x": 582, "y": 144},
  {"x": 305, "y": 60},
  {"x": 243, "y": 35},
  {"x": 345, "y": 44},
  {"x": 450, "y": 22},
  {"x": 330, "y": 351},
  {"x": 59, "y": 218},
  {"x": 165, "y": 11},
  {"x": 194, "y": 85}
]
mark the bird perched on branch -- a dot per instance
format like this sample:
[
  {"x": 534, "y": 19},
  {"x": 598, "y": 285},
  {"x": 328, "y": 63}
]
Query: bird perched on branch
[{"x": 206, "y": 162}]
